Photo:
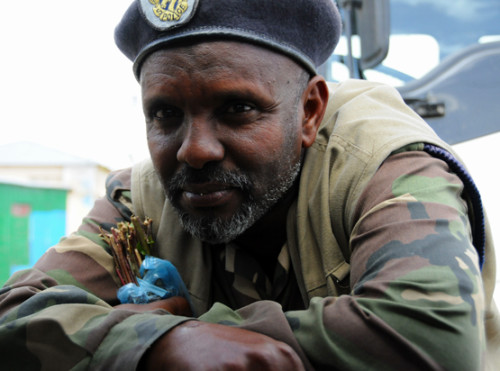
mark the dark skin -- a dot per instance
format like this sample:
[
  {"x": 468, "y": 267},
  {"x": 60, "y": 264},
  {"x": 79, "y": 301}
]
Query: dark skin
[{"x": 236, "y": 105}]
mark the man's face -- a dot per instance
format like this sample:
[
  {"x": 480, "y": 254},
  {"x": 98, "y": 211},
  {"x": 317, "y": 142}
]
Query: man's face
[{"x": 224, "y": 132}]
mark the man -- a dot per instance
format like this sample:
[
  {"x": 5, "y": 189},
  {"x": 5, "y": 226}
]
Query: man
[{"x": 316, "y": 226}]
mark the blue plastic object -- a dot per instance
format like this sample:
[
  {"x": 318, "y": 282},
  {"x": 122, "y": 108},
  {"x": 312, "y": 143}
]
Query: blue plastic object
[{"x": 160, "y": 280}]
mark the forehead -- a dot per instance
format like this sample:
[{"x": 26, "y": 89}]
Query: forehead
[{"x": 221, "y": 56}]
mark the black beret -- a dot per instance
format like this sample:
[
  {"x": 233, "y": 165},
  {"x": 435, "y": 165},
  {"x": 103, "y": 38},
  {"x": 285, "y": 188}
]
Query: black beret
[{"x": 304, "y": 30}]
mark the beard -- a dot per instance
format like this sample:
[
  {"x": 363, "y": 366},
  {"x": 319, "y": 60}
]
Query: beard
[{"x": 215, "y": 230}]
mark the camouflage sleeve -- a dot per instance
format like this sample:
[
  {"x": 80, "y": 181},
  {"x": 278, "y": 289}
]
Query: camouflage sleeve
[
  {"x": 59, "y": 315},
  {"x": 416, "y": 291}
]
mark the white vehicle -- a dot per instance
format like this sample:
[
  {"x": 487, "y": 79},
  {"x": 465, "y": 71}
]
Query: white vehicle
[{"x": 444, "y": 58}]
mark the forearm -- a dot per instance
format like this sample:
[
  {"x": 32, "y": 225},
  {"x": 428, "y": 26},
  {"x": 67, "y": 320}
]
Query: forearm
[
  {"x": 387, "y": 323},
  {"x": 416, "y": 293},
  {"x": 52, "y": 320},
  {"x": 83, "y": 334}
]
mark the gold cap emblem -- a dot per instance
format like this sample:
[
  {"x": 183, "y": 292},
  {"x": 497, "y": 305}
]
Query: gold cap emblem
[{"x": 165, "y": 14}]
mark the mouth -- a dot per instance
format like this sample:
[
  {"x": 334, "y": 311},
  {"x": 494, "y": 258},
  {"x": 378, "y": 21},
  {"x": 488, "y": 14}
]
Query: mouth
[{"x": 208, "y": 195}]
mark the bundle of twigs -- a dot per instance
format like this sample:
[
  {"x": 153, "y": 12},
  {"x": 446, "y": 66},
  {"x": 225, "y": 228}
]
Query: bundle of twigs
[{"x": 130, "y": 242}]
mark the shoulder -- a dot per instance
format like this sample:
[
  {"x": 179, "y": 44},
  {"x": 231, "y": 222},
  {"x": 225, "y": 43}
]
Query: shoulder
[
  {"x": 117, "y": 181},
  {"x": 373, "y": 117}
]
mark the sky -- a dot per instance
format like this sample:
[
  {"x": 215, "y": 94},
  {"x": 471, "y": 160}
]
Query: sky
[{"x": 64, "y": 82}]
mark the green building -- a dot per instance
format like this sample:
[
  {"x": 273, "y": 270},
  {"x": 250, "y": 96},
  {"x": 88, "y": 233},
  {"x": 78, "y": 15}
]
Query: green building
[
  {"x": 44, "y": 194},
  {"x": 27, "y": 211}
]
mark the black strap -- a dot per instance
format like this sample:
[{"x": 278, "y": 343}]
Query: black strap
[{"x": 478, "y": 224}]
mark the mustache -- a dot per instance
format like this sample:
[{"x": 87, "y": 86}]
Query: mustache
[{"x": 210, "y": 173}]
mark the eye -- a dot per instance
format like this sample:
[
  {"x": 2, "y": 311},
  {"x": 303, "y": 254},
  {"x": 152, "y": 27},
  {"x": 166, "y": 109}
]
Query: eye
[
  {"x": 239, "y": 112},
  {"x": 164, "y": 116},
  {"x": 239, "y": 107},
  {"x": 165, "y": 113}
]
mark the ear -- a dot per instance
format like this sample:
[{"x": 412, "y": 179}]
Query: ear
[{"x": 314, "y": 100}]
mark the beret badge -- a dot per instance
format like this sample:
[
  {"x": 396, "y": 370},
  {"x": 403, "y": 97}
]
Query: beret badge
[{"x": 165, "y": 14}]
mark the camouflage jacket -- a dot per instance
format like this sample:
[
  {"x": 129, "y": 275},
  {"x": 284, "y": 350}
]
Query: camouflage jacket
[{"x": 411, "y": 298}]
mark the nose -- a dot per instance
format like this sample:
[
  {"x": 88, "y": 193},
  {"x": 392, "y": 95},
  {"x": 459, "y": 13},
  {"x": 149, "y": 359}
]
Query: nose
[{"x": 200, "y": 145}]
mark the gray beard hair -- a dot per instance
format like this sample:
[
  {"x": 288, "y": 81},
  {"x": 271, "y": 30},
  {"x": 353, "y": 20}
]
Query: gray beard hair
[{"x": 215, "y": 230}]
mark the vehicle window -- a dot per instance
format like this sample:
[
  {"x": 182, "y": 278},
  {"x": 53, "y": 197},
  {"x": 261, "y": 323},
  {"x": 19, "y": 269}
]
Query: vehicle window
[{"x": 424, "y": 33}]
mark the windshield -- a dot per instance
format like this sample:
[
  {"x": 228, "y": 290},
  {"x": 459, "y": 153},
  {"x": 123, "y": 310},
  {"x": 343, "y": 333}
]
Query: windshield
[
  {"x": 423, "y": 33},
  {"x": 453, "y": 24}
]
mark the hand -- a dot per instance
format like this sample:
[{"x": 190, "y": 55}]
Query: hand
[
  {"x": 176, "y": 305},
  {"x": 197, "y": 346}
]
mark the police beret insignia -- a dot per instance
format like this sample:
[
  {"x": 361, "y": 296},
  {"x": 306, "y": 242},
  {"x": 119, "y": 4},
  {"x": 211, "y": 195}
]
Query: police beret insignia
[{"x": 165, "y": 14}]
